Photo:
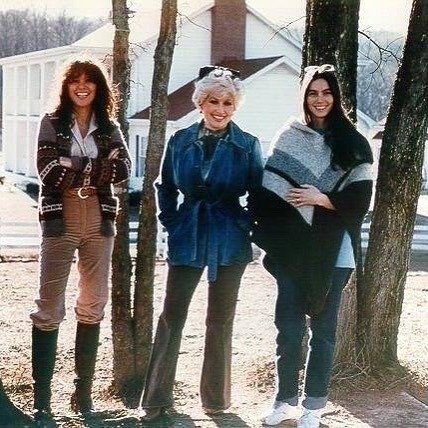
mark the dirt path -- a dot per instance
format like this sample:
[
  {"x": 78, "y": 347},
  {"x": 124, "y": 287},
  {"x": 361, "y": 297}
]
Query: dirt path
[
  {"x": 385, "y": 404},
  {"x": 253, "y": 355}
]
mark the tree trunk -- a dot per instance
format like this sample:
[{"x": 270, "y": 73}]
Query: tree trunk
[
  {"x": 147, "y": 228},
  {"x": 397, "y": 192},
  {"x": 123, "y": 344},
  {"x": 11, "y": 416},
  {"x": 331, "y": 37}
]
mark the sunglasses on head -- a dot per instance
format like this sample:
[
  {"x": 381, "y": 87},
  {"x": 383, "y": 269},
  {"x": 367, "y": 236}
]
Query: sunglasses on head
[
  {"x": 218, "y": 71},
  {"x": 319, "y": 68}
]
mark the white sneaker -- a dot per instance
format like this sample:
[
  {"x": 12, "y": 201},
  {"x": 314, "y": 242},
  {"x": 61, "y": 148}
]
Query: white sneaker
[
  {"x": 280, "y": 412},
  {"x": 310, "y": 418}
]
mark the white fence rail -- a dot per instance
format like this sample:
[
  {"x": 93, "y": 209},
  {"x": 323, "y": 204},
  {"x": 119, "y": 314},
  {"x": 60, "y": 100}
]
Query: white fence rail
[{"x": 25, "y": 235}]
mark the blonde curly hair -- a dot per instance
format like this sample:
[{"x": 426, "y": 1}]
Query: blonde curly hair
[{"x": 218, "y": 82}]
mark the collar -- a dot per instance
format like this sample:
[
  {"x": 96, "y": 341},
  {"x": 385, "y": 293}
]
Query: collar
[
  {"x": 92, "y": 127},
  {"x": 234, "y": 136}
]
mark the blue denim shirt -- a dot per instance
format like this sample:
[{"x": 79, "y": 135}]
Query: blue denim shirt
[{"x": 210, "y": 227}]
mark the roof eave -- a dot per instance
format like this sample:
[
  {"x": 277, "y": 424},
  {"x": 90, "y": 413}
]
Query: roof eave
[{"x": 52, "y": 52}]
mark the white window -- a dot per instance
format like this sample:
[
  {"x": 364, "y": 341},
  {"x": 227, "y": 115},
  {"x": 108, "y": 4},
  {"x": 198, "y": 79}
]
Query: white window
[
  {"x": 140, "y": 155},
  {"x": 35, "y": 75}
]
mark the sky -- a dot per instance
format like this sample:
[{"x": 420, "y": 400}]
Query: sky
[{"x": 389, "y": 15}]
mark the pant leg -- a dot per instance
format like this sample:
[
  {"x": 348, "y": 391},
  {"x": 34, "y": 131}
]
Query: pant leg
[
  {"x": 290, "y": 322},
  {"x": 56, "y": 257},
  {"x": 216, "y": 371},
  {"x": 322, "y": 344},
  {"x": 94, "y": 261},
  {"x": 181, "y": 284}
]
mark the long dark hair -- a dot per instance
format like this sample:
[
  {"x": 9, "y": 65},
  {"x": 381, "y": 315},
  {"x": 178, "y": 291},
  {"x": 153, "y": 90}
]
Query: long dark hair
[
  {"x": 348, "y": 146},
  {"x": 104, "y": 105}
]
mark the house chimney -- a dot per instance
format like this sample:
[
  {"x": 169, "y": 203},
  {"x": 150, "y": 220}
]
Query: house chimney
[{"x": 228, "y": 19}]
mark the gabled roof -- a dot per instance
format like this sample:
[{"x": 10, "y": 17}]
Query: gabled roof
[
  {"x": 180, "y": 101},
  {"x": 144, "y": 25},
  {"x": 144, "y": 28}
]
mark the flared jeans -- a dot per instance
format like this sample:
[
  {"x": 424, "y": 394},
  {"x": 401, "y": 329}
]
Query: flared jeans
[
  {"x": 215, "y": 385},
  {"x": 290, "y": 321}
]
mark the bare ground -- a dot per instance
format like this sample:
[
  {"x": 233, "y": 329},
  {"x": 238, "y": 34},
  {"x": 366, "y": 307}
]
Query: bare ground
[
  {"x": 362, "y": 402},
  {"x": 395, "y": 400}
]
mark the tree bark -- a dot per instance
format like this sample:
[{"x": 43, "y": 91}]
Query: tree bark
[
  {"x": 123, "y": 344},
  {"x": 397, "y": 192},
  {"x": 331, "y": 37},
  {"x": 10, "y": 415},
  {"x": 147, "y": 228}
]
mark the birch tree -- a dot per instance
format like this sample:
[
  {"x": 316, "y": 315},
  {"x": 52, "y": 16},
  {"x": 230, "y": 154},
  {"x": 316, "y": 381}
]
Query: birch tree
[
  {"x": 132, "y": 302},
  {"x": 122, "y": 323},
  {"x": 147, "y": 227}
]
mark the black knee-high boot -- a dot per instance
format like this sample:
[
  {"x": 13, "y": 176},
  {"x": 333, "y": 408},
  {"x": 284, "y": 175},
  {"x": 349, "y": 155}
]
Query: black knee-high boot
[
  {"x": 87, "y": 336},
  {"x": 11, "y": 416},
  {"x": 43, "y": 363}
]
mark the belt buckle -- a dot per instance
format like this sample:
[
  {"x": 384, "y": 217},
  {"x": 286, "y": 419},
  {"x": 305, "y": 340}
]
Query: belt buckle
[{"x": 79, "y": 193}]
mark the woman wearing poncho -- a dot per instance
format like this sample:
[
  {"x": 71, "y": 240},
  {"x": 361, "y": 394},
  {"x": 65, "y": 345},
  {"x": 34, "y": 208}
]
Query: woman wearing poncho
[{"x": 316, "y": 191}]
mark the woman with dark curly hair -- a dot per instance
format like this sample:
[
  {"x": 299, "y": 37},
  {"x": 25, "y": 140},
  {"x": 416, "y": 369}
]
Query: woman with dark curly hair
[{"x": 80, "y": 155}]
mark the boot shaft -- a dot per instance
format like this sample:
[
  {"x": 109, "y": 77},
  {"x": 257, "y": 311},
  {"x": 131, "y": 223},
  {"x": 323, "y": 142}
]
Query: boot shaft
[
  {"x": 44, "y": 346},
  {"x": 87, "y": 337},
  {"x": 86, "y": 348}
]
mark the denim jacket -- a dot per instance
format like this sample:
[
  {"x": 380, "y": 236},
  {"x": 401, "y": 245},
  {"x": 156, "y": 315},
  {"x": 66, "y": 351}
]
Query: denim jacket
[{"x": 209, "y": 227}]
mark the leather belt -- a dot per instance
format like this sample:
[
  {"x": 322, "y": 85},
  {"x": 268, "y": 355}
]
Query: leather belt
[{"x": 81, "y": 192}]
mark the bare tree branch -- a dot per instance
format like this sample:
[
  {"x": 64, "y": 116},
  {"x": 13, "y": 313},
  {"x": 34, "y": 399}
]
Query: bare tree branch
[{"x": 384, "y": 52}]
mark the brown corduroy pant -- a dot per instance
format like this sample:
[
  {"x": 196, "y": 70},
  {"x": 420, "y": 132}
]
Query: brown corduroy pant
[{"x": 82, "y": 219}]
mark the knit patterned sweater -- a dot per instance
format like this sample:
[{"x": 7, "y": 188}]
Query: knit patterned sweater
[{"x": 100, "y": 173}]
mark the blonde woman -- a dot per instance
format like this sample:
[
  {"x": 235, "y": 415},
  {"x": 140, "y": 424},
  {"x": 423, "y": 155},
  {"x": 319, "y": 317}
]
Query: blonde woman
[{"x": 212, "y": 163}]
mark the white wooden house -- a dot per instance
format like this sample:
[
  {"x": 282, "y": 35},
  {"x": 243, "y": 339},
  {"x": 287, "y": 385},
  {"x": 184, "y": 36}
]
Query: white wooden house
[
  {"x": 221, "y": 32},
  {"x": 376, "y": 135}
]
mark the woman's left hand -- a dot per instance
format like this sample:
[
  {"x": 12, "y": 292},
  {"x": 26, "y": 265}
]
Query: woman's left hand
[
  {"x": 308, "y": 195},
  {"x": 65, "y": 161},
  {"x": 114, "y": 154}
]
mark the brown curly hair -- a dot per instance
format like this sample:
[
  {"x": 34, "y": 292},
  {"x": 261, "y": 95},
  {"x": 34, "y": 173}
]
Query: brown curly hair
[{"x": 105, "y": 102}]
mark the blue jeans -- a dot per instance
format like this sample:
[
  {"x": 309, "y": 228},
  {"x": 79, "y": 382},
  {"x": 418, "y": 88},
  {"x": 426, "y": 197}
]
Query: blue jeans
[{"x": 290, "y": 321}]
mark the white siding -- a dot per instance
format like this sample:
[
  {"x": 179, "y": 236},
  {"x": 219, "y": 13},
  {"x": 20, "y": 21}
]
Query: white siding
[
  {"x": 263, "y": 42},
  {"x": 141, "y": 79},
  {"x": 21, "y": 86},
  {"x": 425, "y": 168},
  {"x": 270, "y": 100},
  {"x": 9, "y": 147},
  {"x": 31, "y": 148},
  {"x": 190, "y": 53},
  {"x": 35, "y": 89},
  {"x": 21, "y": 148},
  {"x": 9, "y": 100},
  {"x": 48, "y": 78}
]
